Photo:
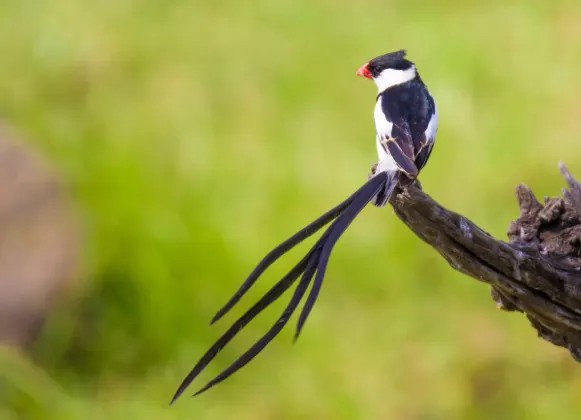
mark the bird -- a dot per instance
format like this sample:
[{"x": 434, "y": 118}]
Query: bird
[
  {"x": 406, "y": 122},
  {"x": 406, "y": 119}
]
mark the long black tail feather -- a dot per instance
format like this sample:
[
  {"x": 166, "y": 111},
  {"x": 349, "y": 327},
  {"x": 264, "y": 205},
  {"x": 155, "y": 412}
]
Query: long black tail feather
[
  {"x": 315, "y": 261},
  {"x": 335, "y": 231},
  {"x": 385, "y": 192},
  {"x": 272, "y": 295},
  {"x": 274, "y": 330},
  {"x": 282, "y": 249}
]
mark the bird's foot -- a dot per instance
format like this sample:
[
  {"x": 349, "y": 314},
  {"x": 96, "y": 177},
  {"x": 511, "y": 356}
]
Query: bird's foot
[
  {"x": 373, "y": 169},
  {"x": 405, "y": 181}
]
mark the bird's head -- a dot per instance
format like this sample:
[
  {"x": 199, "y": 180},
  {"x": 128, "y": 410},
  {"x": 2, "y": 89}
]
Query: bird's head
[{"x": 389, "y": 70}]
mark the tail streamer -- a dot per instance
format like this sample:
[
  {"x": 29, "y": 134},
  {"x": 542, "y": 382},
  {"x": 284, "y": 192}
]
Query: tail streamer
[{"x": 313, "y": 264}]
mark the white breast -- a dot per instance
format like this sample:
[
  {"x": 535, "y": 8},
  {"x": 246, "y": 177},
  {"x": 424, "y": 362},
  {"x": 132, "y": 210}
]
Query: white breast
[{"x": 382, "y": 128}]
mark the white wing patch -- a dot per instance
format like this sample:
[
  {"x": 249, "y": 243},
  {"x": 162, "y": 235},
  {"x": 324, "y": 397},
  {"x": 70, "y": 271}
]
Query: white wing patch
[{"x": 432, "y": 127}]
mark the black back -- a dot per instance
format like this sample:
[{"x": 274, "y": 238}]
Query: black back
[{"x": 409, "y": 107}]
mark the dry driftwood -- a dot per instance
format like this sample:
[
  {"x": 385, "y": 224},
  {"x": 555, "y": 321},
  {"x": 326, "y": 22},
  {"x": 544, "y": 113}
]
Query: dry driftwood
[{"x": 538, "y": 272}]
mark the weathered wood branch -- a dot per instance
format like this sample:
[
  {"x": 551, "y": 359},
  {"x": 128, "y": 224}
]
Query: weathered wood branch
[{"x": 538, "y": 272}]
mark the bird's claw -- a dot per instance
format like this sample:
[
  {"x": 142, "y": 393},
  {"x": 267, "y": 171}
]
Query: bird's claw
[{"x": 373, "y": 169}]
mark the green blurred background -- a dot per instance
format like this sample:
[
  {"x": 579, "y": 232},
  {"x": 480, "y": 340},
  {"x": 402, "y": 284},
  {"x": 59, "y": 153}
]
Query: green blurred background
[{"x": 194, "y": 136}]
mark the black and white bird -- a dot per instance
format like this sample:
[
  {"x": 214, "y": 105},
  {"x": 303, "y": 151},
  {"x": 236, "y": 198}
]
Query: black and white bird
[
  {"x": 405, "y": 116},
  {"x": 406, "y": 123}
]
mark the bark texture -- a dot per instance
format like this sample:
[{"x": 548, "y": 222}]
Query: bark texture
[{"x": 538, "y": 272}]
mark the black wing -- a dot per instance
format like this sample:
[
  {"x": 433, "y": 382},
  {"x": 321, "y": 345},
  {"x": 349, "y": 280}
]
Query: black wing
[{"x": 409, "y": 107}]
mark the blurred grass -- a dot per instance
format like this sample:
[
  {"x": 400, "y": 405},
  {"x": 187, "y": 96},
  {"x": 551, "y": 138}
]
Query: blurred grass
[{"x": 197, "y": 135}]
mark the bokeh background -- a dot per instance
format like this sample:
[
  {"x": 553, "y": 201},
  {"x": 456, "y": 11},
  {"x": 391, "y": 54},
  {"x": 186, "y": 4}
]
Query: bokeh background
[{"x": 193, "y": 136}]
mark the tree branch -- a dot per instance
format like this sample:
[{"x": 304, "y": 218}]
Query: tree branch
[{"x": 538, "y": 272}]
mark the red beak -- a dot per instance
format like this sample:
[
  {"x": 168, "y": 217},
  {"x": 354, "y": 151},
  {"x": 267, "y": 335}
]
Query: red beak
[{"x": 364, "y": 71}]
